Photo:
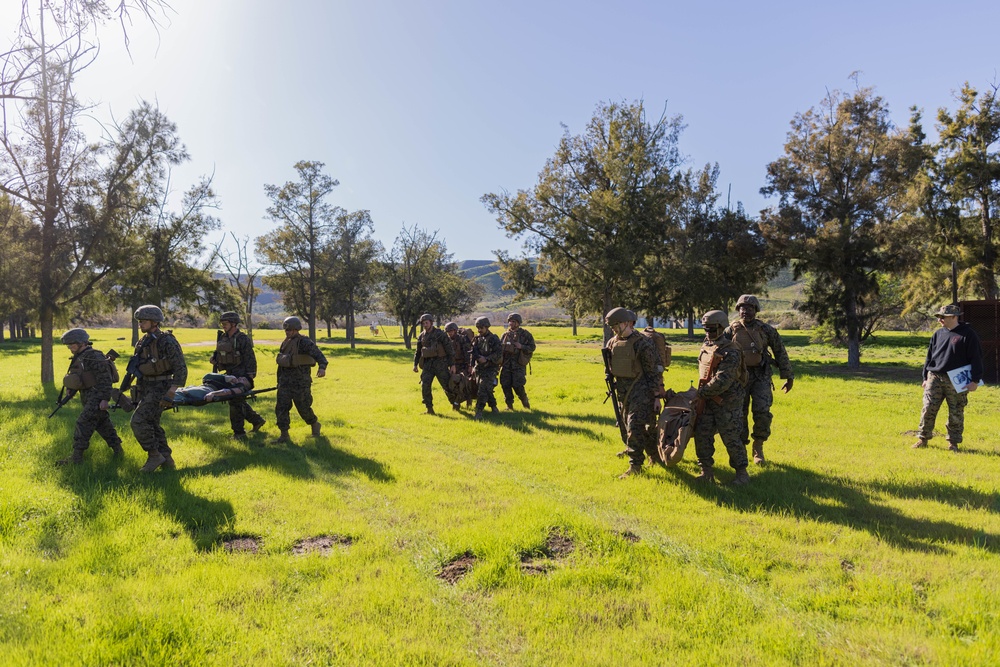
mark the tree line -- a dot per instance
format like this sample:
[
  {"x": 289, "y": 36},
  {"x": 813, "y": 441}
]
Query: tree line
[
  {"x": 872, "y": 214},
  {"x": 88, "y": 227}
]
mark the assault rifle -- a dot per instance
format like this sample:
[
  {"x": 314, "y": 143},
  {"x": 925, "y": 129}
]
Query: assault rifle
[
  {"x": 609, "y": 378},
  {"x": 63, "y": 400},
  {"x": 132, "y": 373}
]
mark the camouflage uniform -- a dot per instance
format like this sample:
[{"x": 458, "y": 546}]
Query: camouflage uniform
[
  {"x": 759, "y": 396},
  {"x": 722, "y": 418},
  {"x": 239, "y": 361},
  {"x": 434, "y": 342},
  {"x": 92, "y": 418},
  {"x": 637, "y": 395},
  {"x": 462, "y": 347},
  {"x": 151, "y": 390},
  {"x": 513, "y": 375},
  {"x": 295, "y": 383},
  {"x": 938, "y": 390},
  {"x": 487, "y": 346}
]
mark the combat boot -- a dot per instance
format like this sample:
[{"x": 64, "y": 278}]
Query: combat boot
[
  {"x": 258, "y": 426},
  {"x": 240, "y": 437},
  {"x": 316, "y": 428},
  {"x": 430, "y": 410},
  {"x": 283, "y": 437},
  {"x": 76, "y": 458},
  {"x": 168, "y": 462},
  {"x": 706, "y": 476},
  {"x": 919, "y": 444},
  {"x": 758, "y": 451},
  {"x": 510, "y": 407},
  {"x": 456, "y": 407},
  {"x": 494, "y": 409},
  {"x": 741, "y": 479},
  {"x": 116, "y": 450},
  {"x": 154, "y": 460},
  {"x": 633, "y": 469},
  {"x": 525, "y": 403},
  {"x": 953, "y": 448},
  {"x": 479, "y": 415}
]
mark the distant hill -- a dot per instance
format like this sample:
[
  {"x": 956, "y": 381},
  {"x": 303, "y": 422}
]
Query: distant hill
[{"x": 486, "y": 273}]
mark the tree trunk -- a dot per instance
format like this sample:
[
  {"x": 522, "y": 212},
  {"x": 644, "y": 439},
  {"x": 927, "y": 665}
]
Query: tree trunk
[
  {"x": 135, "y": 327},
  {"x": 45, "y": 322},
  {"x": 606, "y": 303},
  {"x": 853, "y": 334},
  {"x": 573, "y": 320},
  {"x": 690, "y": 319},
  {"x": 1, "y": 332},
  {"x": 989, "y": 279},
  {"x": 350, "y": 318}
]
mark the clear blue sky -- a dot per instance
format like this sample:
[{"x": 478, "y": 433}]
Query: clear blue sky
[{"x": 419, "y": 108}]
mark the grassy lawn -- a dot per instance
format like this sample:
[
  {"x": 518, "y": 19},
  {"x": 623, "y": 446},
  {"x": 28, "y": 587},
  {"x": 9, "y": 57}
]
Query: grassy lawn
[{"x": 398, "y": 538}]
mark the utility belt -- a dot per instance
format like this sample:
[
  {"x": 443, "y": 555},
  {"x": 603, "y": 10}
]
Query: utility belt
[
  {"x": 432, "y": 352},
  {"x": 295, "y": 360},
  {"x": 157, "y": 378},
  {"x": 77, "y": 381}
]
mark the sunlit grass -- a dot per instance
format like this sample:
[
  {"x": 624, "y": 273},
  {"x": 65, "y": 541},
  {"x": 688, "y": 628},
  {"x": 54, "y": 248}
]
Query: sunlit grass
[{"x": 848, "y": 547}]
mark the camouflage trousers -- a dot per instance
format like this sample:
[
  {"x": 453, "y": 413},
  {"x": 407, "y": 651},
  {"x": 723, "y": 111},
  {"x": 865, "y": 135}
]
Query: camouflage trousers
[
  {"x": 91, "y": 419},
  {"x": 513, "y": 377},
  {"x": 240, "y": 412},
  {"x": 294, "y": 390},
  {"x": 938, "y": 390},
  {"x": 487, "y": 383},
  {"x": 757, "y": 400},
  {"x": 637, "y": 409},
  {"x": 434, "y": 368},
  {"x": 145, "y": 419},
  {"x": 724, "y": 419}
]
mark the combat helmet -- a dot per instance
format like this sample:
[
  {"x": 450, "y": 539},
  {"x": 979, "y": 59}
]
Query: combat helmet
[
  {"x": 619, "y": 315},
  {"x": 715, "y": 318},
  {"x": 425, "y": 316},
  {"x": 516, "y": 317},
  {"x": 230, "y": 316},
  {"x": 75, "y": 336},
  {"x": 291, "y": 323},
  {"x": 483, "y": 322},
  {"x": 748, "y": 300},
  {"x": 149, "y": 312},
  {"x": 451, "y": 326}
]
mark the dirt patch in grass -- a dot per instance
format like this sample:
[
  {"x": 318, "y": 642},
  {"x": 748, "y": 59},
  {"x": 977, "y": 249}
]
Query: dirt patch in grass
[
  {"x": 629, "y": 536},
  {"x": 530, "y": 565},
  {"x": 240, "y": 543},
  {"x": 323, "y": 544},
  {"x": 559, "y": 544},
  {"x": 457, "y": 568}
]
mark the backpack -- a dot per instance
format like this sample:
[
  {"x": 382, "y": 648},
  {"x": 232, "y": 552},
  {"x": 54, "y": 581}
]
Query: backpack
[{"x": 660, "y": 341}]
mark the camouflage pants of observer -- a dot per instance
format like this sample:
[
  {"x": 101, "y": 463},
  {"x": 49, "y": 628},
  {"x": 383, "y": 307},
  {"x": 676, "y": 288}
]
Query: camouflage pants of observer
[
  {"x": 513, "y": 377},
  {"x": 241, "y": 412},
  {"x": 298, "y": 392},
  {"x": 638, "y": 413},
  {"x": 91, "y": 419},
  {"x": 145, "y": 420},
  {"x": 487, "y": 383},
  {"x": 938, "y": 390},
  {"x": 434, "y": 368},
  {"x": 724, "y": 419},
  {"x": 757, "y": 400}
]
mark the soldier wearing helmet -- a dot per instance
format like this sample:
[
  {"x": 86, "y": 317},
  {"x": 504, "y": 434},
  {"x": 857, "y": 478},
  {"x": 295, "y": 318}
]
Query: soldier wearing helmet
[
  {"x": 486, "y": 355},
  {"x": 518, "y": 346},
  {"x": 462, "y": 346},
  {"x": 159, "y": 367},
  {"x": 755, "y": 338},
  {"x": 435, "y": 357},
  {"x": 721, "y": 383},
  {"x": 234, "y": 355},
  {"x": 638, "y": 372},
  {"x": 296, "y": 357},
  {"x": 90, "y": 374}
]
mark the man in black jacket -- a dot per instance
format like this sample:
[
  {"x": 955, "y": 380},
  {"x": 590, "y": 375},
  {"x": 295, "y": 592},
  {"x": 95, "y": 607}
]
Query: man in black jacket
[{"x": 952, "y": 347}]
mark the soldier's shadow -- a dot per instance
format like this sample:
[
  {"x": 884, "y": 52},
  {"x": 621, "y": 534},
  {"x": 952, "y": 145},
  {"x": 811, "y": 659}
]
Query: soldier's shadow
[
  {"x": 527, "y": 421},
  {"x": 810, "y": 495}
]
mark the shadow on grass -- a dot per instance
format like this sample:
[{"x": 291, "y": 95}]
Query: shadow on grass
[
  {"x": 526, "y": 421},
  {"x": 836, "y": 500},
  {"x": 876, "y": 371}
]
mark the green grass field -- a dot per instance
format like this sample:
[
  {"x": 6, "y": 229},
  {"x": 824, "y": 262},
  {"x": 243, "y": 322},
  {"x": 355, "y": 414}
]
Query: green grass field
[{"x": 398, "y": 538}]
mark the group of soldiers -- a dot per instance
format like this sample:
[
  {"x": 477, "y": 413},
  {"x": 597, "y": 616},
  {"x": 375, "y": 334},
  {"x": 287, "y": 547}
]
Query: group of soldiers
[
  {"x": 734, "y": 381},
  {"x": 158, "y": 369},
  {"x": 467, "y": 366}
]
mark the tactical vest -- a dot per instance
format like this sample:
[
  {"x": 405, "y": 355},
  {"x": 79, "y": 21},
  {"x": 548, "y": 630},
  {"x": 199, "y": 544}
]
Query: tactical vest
[
  {"x": 151, "y": 365},
  {"x": 432, "y": 351},
  {"x": 507, "y": 343},
  {"x": 710, "y": 358},
  {"x": 660, "y": 341},
  {"x": 78, "y": 378},
  {"x": 624, "y": 360},
  {"x": 289, "y": 356},
  {"x": 753, "y": 343},
  {"x": 226, "y": 354}
]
